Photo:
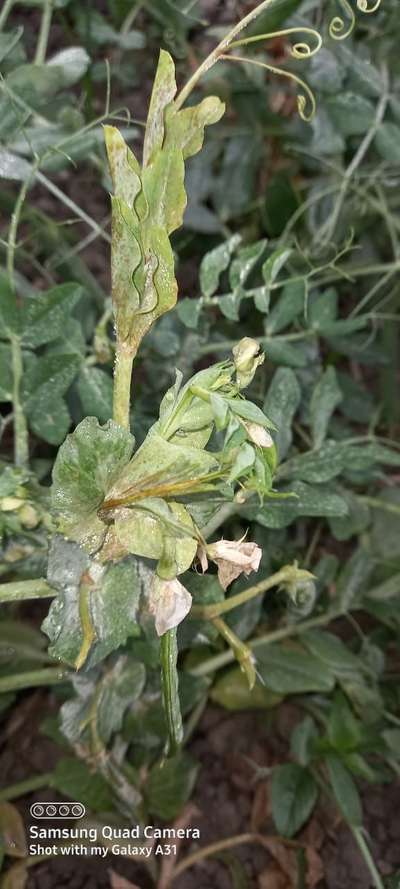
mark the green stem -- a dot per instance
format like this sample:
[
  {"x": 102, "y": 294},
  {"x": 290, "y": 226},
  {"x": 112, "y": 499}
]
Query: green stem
[
  {"x": 7, "y": 7},
  {"x": 239, "y": 650},
  {"x": 366, "y": 854},
  {"x": 122, "y": 385},
  {"x": 226, "y": 512},
  {"x": 221, "y": 660},
  {"x": 43, "y": 39},
  {"x": 130, "y": 18},
  {"x": 47, "y": 183},
  {"x": 215, "y": 54},
  {"x": 376, "y": 503},
  {"x": 209, "y": 612},
  {"x": 20, "y": 590},
  {"x": 36, "y": 782},
  {"x": 170, "y": 689},
  {"x": 21, "y": 438},
  {"x": 33, "y": 678}
]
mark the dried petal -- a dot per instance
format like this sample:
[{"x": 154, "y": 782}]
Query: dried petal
[
  {"x": 234, "y": 557},
  {"x": 170, "y": 602}
]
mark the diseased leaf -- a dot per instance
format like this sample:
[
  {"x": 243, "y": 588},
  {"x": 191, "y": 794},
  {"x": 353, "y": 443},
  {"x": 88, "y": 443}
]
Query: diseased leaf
[
  {"x": 113, "y": 601},
  {"x": 324, "y": 401},
  {"x": 46, "y": 314},
  {"x": 214, "y": 263},
  {"x": 87, "y": 465},
  {"x": 95, "y": 389},
  {"x": 281, "y": 403},
  {"x": 164, "y": 90},
  {"x": 289, "y": 305}
]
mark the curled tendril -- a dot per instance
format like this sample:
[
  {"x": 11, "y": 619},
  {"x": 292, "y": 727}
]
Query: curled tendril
[
  {"x": 338, "y": 29},
  {"x": 364, "y": 7},
  {"x": 299, "y": 50},
  {"x": 302, "y": 100}
]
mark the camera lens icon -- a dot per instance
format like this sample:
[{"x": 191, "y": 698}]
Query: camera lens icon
[{"x": 46, "y": 811}]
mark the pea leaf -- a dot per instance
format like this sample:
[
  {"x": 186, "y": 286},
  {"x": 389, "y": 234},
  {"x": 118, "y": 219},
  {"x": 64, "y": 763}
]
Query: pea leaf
[
  {"x": 6, "y": 375},
  {"x": 280, "y": 406},
  {"x": 87, "y": 465},
  {"x": 291, "y": 670},
  {"x": 95, "y": 389},
  {"x": 73, "y": 778},
  {"x": 12, "y": 831},
  {"x": 46, "y": 314},
  {"x": 169, "y": 786},
  {"x": 232, "y": 692},
  {"x": 113, "y": 603},
  {"x": 293, "y": 797},
  {"x": 345, "y": 791},
  {"x": 325, "y": 398},
  {"x": 214, "y": 263}
]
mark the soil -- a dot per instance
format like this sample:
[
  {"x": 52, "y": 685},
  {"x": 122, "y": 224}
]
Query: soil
[{"x": 235, "y": 752}]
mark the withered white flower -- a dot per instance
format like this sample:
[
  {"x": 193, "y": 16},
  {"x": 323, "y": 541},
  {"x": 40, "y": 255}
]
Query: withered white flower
[
  {"x": 258, "y": 435},
  {"x": 170, "y": 602},
  {"x": 246, "y": 357},
  {"x": 233, "y": 557}
]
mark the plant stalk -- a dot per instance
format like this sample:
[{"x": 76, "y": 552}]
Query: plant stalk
[
  {"x": 122, "y": 385},
  {"x": 36, "y": 782},
  {"x": 215, "y": 54},
  {"x": 170, "y": 690},
  {"x": 20, "y": 590},
  {"x": 21, "y": 438},
  {"x": 5, "y": 12},
  {"x": 44, "y": 32},
  {"x": 366, "y": 854},
  {"x": 227, "y": 657},
  {"x": 210, "y": 612},
  {"x": 33, "y": 678}
]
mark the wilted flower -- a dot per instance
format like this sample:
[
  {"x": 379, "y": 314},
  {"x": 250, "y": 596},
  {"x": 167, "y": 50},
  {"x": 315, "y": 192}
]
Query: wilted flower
[
  {"x": 233, "y": 557},
  {"x": 246, "y": 357},
  {"x": 170, "y": 602},
  {"x": 258, "y": 435}
]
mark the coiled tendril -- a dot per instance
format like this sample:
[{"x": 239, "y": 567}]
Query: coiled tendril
[
  {"x": 364, "y": 7},
  {"x": 299, "y": 50},
  {"x": 301, "y": 99},
  {"x": 338, "y": 29}
]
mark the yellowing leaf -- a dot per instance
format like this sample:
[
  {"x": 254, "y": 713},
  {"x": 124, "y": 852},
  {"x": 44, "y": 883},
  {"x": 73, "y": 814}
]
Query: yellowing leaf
[
  {"x": 12, "y": 831},
  {"x": 164, "y": 90}
]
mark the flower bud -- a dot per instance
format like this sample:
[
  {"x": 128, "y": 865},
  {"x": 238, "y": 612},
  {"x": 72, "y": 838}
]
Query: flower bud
[{"x": 246, "y": 357}]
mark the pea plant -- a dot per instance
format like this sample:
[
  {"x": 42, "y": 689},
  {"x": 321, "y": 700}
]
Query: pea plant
[{"x": 146, "y": 604}]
